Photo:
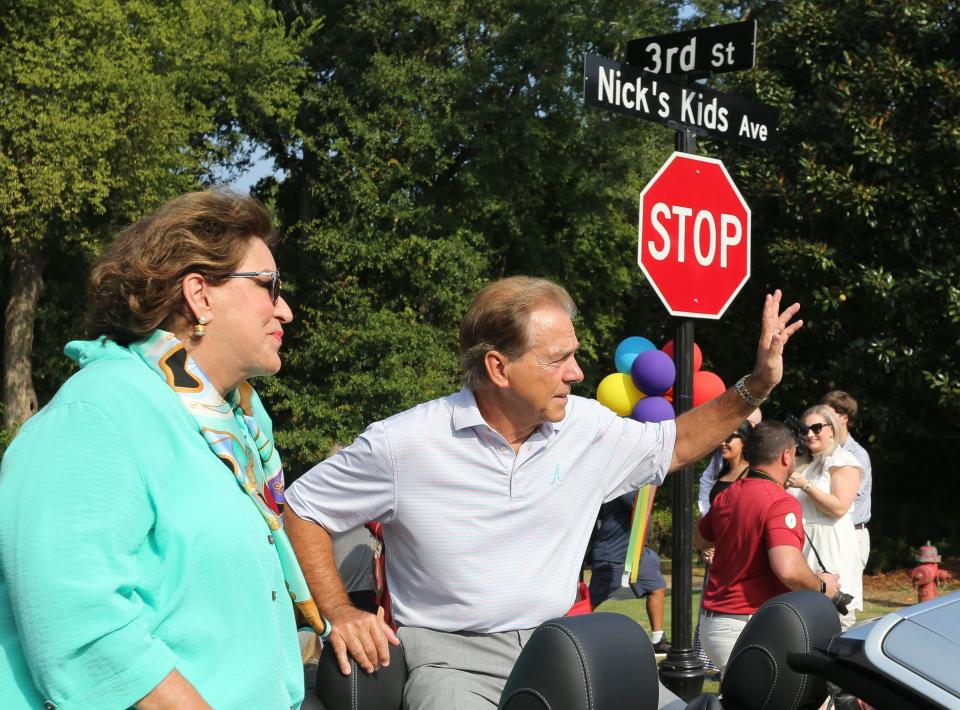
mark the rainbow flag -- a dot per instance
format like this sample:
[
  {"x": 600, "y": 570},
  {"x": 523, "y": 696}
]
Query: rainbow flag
[{"x": 642, "y": 510}]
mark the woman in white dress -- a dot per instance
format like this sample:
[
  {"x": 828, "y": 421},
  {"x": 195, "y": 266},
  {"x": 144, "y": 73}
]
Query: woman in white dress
[{"x": 826, "y": 484}]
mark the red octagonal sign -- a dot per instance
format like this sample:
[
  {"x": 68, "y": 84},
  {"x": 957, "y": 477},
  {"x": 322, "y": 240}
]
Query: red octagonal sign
[{"x": 694, "y": 236}]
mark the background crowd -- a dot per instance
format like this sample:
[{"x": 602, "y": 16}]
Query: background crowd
[{"x": 749, "y": 564}]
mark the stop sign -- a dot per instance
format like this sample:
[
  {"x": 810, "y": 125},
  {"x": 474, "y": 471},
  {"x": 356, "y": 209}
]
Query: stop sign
[{"x": 694, "y": 236}]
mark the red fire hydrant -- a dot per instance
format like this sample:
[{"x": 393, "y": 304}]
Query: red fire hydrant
[{"x": 927, "y": 575}]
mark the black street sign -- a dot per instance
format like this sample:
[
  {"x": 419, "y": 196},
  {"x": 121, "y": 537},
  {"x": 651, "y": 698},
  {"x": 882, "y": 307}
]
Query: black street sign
[
  {"x": 625, "y": 89},
  {"x": 705, "y": 51}
]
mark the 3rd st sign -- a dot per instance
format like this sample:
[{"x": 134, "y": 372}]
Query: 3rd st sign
[{"x": 694, "y": 236}]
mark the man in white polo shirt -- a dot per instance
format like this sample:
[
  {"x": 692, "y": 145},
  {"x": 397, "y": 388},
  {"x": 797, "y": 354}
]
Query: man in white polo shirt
[{"x": 488, "y": 496}]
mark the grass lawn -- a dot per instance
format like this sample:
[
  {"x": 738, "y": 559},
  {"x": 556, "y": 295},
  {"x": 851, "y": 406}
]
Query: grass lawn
[{"x": 882, "y": 593}]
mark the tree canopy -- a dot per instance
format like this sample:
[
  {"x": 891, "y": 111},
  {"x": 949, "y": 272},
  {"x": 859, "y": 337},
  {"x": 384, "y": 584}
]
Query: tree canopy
[
  {"x": 439, "y": 146},
  {"x": 427, "y": 147},
  {"x": 854, "y": 215},
  {"x": 106, "y": 109}
]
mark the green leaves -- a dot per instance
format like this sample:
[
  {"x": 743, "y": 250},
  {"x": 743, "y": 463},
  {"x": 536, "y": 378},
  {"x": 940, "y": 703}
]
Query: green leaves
[
  {"x": 444, "y": 146},
  {"x": 430, "y": 147},
  {"x": 108, "y": 107},
  {"x": 864, "y": 222}
]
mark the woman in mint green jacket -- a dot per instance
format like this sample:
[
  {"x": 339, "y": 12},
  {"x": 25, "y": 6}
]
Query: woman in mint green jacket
[{"x": 142, "y": 555}]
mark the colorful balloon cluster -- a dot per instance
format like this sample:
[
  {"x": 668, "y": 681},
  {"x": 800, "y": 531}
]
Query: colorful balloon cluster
[{"x": 642, "y": 386}]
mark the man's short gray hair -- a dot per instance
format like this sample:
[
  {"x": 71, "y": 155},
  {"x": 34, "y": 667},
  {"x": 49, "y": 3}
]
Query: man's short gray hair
[{"x": 499, "y": 319}]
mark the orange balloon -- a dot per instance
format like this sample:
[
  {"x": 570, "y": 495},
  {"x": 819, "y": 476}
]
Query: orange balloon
[
  {"x": 697, "y": 354},
  {"x": 706, "y": 386}
]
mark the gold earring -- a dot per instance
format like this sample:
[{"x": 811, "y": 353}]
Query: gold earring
[{"x": 200, "y": 329}]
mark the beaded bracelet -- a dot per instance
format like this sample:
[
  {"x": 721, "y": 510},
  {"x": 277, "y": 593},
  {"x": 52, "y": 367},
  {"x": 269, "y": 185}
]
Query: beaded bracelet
[{"x": 327, "y": 628}]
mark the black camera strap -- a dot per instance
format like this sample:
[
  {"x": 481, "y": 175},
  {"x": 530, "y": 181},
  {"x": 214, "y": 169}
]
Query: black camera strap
[
  {"x": 816, "y": 554},
  {"x": 756, "y": 473}
]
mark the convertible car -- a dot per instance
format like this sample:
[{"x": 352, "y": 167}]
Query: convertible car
[{"x": 790, "y": 656}]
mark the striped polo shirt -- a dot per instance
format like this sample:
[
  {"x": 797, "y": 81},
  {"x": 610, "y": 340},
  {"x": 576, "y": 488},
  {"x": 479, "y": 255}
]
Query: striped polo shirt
[{"x": 480, "y": 538}]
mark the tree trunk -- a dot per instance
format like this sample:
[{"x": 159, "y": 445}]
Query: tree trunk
[{"x": 24, "y": 281}]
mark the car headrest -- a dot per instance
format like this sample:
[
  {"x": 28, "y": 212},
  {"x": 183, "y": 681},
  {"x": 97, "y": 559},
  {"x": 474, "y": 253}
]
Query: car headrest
[
  {"x": 757, "y": 674},
  {"x": 598, "y": 661}
]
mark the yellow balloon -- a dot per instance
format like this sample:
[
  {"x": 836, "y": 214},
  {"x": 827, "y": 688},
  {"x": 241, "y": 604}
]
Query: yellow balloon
[{"x": 618, "y": 393}]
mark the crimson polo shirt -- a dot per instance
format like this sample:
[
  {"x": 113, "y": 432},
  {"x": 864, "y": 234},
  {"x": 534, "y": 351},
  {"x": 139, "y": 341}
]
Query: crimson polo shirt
[{"x": 744, "y": 522}]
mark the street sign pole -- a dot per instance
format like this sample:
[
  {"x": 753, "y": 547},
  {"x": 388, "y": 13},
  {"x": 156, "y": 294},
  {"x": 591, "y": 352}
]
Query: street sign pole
[
  {"x": 654, "y": 86},
  {"x": 681, "y": 671},
  {"x": 683, "y": 479},
  {"x": 681, "y": 616}
]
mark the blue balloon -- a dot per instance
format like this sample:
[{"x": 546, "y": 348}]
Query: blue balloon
[
  {"x": 627, "y": 352},
  {"x": 652, "y": 409},
  {"x": 653, "y": 372}
]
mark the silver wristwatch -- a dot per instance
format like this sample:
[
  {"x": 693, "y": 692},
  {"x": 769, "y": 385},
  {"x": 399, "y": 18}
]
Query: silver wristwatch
[{"x": 745, "y": 395}]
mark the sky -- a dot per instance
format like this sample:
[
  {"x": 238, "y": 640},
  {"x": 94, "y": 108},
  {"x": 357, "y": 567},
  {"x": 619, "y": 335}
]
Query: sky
[{"x": 262, "y": 167}]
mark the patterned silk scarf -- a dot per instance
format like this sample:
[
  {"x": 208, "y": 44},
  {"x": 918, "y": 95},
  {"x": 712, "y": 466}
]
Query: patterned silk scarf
[{"x": 235, "y": 438}]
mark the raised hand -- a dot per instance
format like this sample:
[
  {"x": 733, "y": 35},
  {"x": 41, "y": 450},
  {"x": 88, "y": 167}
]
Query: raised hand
[{"x": 775, "y": 331}]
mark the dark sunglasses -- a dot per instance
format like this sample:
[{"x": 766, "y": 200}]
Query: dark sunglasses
[
  {"x": 274, "y": 285},
  {"x": 815, "y": 428},
  {"x": 734, "y": 435}
]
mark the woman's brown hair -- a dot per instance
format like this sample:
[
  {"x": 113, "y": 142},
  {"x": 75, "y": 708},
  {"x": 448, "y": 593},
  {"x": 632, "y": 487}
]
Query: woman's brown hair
[{"x": 135, "y": 285}]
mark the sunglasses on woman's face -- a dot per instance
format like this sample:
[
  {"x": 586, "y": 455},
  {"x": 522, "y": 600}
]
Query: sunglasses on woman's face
[
  {"x": 815, "y": 428},
  {"x": 734, "y": 435},
  {"x": 274, "y": 285}
]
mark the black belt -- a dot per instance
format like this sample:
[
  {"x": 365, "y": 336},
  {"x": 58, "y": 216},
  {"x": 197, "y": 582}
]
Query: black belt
[
  {"x": 713, "y": 614},
  {"x": 860, "y": 526}
]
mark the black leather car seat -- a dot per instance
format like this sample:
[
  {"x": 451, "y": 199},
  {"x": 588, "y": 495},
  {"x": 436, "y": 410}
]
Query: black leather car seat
[
  {"x": 757, "y": 675},
  {"x": 598, "y": 661}
]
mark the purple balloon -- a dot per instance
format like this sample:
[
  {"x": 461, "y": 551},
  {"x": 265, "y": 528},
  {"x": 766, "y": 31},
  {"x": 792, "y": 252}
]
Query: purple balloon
[
  {"x": 652, "y": 409},
  {"x": 653, "y": 372}
]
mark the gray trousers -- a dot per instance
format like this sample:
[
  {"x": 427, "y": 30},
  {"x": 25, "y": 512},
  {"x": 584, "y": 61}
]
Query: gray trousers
[{"x": 467, "y": 671}]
